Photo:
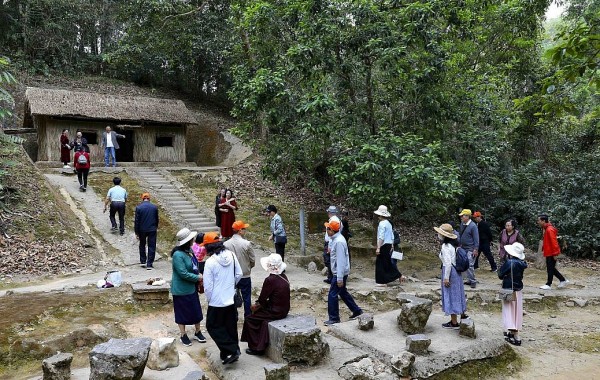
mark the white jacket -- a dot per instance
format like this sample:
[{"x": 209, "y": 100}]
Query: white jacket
[{"x": 219, "y": 279}]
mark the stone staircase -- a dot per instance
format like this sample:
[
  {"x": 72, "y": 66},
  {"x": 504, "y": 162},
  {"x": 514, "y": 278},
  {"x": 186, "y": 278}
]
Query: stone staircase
[{"x": 168, "y": 192}]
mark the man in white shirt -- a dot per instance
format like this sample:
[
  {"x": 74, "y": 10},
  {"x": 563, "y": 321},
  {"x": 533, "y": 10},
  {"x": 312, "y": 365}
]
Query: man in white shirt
[{"x": 109, "y": 141}]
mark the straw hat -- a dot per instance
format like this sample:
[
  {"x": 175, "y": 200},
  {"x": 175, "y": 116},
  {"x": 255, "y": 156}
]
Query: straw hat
[
  {"x": 516, "y": 250},
  {"x": 446, "y": 230},
  {"x": 382, "y": 211},
  {"x": 184, "y": 235},
  {"x": 332, "y": 210},
  {"x": 273, "y": 263}
]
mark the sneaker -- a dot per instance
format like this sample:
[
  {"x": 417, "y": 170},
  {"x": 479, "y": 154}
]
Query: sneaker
[
  {"x": 330, "y": 322},
  {"x": 464, "y": 316},
  {"x": 149, "y": 267},
  {"x": 494, "y": 270},
  {"x": 327, "y": 281},
  {"x": 250, "y": 351},
  {"x": 199, "y": 337},
  {"x": 185, "y": 340},
  {"x": 66, "y": 167},
  {"x": 143, "y": 265},
  {"x": 114, "y": 228},
  {"x": 564, "y": 283},
  {"x": 356, "y": 314},
  {"x": 545, "y": 287},
  {"x": 450, "y": 325},
  {"x": 473, "y": 285}
]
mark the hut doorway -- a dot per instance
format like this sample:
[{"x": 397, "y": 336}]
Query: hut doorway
[{"x": 125, "y": 151}]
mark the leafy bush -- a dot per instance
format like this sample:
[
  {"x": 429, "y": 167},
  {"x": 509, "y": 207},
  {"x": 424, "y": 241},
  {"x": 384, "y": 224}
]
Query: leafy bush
[{"x": 400, "y": 171}]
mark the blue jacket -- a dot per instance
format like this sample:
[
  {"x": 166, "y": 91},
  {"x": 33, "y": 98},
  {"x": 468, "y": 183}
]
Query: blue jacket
[
  {"x": 504, "y": 273},
  {"x": 146, "y": 218}
]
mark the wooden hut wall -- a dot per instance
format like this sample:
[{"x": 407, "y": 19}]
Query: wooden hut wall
[
  {"x": 39, "y": 123},
  {"x": 145, "y": 149},
  {"x": 54, "y": 128}
]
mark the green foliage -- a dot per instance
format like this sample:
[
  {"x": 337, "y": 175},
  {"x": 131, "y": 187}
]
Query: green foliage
[
  {"x": 7, "y": 102},
  {"x": 403, "y": 171}
]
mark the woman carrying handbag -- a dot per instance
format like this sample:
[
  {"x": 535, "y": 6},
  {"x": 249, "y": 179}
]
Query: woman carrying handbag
[{"x": 511, "y": 274}]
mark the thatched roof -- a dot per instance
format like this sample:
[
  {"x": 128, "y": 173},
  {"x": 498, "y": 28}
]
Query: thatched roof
[{"x": 90, "y": 105}]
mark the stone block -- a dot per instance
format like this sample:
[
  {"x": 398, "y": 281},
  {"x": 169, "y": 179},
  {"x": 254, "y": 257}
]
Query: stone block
[
  {"x": 312, "y": 266},
  {"x": 467, "y": 328},
  {"x": 119, "y": 359},
  {"x": 414, "y": 313},
  {"x": 296, "y": 339},
  {"x": 366, "y": 322},
  {"x": 277, "y": 372},
  {"x": 418, "y": 344},
  {"x": 195, "y": 375},
  {"x": 57, "y": 367},
  {"x": 150, "y": 294},
  {"x": 402, "y": 364},
  {"x": 366, "y": 369},
  {"x": 163, "y": 354}
]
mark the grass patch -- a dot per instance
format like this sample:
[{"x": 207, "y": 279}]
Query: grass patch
[
  {"x": 166, "y": 229},
  {"x": 585, "y": 344},
  {"x": 498, "y": 367}
]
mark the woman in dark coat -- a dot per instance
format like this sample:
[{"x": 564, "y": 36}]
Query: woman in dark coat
[
  {"x": 217, "y": 201},
  {"x": 272, "y": 304},
  {"x": 65, "y": 149}
]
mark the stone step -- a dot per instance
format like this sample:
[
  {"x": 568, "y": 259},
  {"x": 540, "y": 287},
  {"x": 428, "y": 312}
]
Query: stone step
[
  {"x": 179, "y": 202},
  {"x": 199, "y": 221}
]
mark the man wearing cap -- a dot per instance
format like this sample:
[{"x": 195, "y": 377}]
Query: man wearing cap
[
  {"x": 145, "y": 226},
  {"x": 485, "y": 240},
  {"x": 340, "y": 268},
  {"x": 469, "y": 240},
  {"x": 242, "y": 249},
  {"x": 116, "y": 198},
  {"x": 332, "y": 212}
]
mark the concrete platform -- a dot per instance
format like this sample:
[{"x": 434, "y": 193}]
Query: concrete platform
[
  {"x": 251, "y": 367},
  {"x": 447, "y": 348}
]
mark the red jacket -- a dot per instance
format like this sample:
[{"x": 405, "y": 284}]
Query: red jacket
[
  {"x": 76, "y": 160},
  {"x": 550, "y": 247}
]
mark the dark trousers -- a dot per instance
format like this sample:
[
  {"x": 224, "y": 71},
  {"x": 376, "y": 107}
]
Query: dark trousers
[
  {"x": 245, "y": 286},
  {"x": 333, "y": 306},
  {"x": 150, "y": 239},
  {"x": 117, "y": 207},
  {"x": 280, "y": 249},
  {"x": 82, "y": 175},
  {"x": 487, "y": 252},
  {"x": 221, "y": 324},
  {"x": 552, "y": 271},
  {"x": 327, "y": 260}
]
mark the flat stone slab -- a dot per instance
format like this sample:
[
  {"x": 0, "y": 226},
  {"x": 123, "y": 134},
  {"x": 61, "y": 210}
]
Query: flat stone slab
[
  {"x": 447, "y": 348},
  {"x": 145, "y": 293},
  {"x": 252, "y": 367}
]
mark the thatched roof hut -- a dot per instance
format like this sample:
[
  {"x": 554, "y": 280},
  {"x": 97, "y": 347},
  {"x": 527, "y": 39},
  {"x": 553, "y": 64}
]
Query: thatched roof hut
[{"x": 154, "y": 128}]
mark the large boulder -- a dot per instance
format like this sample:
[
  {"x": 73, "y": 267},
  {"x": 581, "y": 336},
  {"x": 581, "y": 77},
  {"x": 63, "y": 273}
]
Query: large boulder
[
  {"x": 163, "y": 354},
  {"x": 57, "y": 367},
  {"x": 414, "y": 313},
  {"x": 296, "y": 339},
  {"x": 119, "y": 359}
]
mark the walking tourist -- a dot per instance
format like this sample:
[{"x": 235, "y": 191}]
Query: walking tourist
[
  {"x": 469, "y": 240},
  {"x": 511, "y": 274},
  {"x": 551, "y": 250},
  {"x": 186, "y": 303},
  {"x": 243, "y": 251},
  {"x": 385, "y": 271},
  {"x": 227, "y": 208},
  {"x": 509, "y": 235},
  {"x": 340, "y": 269},
  {"x": 146, "y": 226},
  {"x": 278, "y": 234},
  {"x": 80, "y": 142},
  {"x": 65, "y": 149},
  {"x": 454, "y": 302},
  {"x": 485, "y": 241},
  {"x": 222, "y": 272},
  {"x": 273, "y": 303},
  {"x": 332, "y": 212},
  {"x": 81, "y": 163},
  {"x": 116, "y": 198},
  {"x": 110, "y": 144}
]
